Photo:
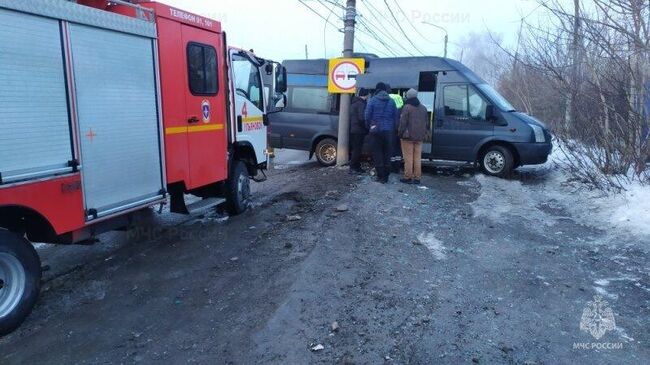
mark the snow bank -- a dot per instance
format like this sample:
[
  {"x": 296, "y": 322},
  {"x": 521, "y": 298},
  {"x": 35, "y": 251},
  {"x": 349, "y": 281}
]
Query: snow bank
[
  {"x": 554, "y": 192},
  {"x": 630, "y": 209}
]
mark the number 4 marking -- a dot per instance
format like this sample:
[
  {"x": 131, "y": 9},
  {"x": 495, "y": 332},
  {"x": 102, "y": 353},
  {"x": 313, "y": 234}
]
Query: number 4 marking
[{"x": 244, "y": 110}]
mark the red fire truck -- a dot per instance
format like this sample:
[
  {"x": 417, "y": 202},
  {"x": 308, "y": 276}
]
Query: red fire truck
[{"x": 108, "y": 108}]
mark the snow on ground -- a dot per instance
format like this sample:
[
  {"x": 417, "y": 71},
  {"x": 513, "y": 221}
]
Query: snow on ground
[
  {"x": 549, "y": 198},
  {"x": 433, "y": 244},
  {"x": 500, "y": 198},
  {"x": 630, "y": 210},
  {"x": 286, "y": 159}
]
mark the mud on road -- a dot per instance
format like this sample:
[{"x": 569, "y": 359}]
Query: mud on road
[{"x": 434, "y": 274}]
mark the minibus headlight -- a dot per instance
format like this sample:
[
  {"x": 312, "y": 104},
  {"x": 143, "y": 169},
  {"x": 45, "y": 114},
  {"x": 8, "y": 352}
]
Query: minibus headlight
[{"x": 539, "y": 133}]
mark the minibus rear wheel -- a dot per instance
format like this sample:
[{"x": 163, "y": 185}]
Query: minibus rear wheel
[
  {"x": 497, "y": 161},
  {"x": 326, "y": 152}
]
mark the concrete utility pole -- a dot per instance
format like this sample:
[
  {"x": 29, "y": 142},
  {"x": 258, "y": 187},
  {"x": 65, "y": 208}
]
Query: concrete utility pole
[{"x": 342, "y": 150}]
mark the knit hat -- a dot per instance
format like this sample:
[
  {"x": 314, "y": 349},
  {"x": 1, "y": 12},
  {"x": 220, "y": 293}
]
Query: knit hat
[
  {"x": 380, "y": 87},
  {"x": 412, "y": 93},
  {"x": 363, "y": 92}
]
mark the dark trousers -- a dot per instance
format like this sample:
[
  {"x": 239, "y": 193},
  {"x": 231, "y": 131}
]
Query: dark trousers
[
  {"x": 356, "y": 144},
  {"x": 397, "y": 157},
  {"x": 382, "y": 149}
]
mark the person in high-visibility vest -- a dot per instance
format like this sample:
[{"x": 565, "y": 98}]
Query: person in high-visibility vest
[{"x": 399, "y": 101}]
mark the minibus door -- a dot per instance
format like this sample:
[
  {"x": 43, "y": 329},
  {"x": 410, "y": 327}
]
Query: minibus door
[
  {"x": 427, "y": 95},
  {"x": 460, "y": 123}
]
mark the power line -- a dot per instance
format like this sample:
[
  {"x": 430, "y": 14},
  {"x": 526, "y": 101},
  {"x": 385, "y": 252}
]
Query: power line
[
  {"x": 370, "y": 33},
  {"x": 326, "y": 19},
  {"x": 386, "y": 33},
  {"x": 325, "y": 31},
  {"x": 376, "y": 14},
  {"x": 411, "y": 23},
  {"x": 379, "y": 39},
  {"x": 333, "y": 2},
  {"x": 368, "y": 48},
  {"x": 317, "y": 13},
  {"x": 378, "y": 17},
  {"x": 336, "y": 4},
  {"x": 368, "y": 27},
  {"x": 368, "y": 24},
  {"x": 402, "y": 29},
  {"x": 529, "y": 14}
]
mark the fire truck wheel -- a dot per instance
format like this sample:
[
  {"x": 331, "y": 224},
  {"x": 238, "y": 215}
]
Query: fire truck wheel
[
  {"x": 326, "y": 152},
  {"x": 20, "y": 280},
  {"x": 239, "y": 189}
]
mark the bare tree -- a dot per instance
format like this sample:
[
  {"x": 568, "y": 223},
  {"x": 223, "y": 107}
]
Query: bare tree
[
  {"x": 594, "y": 62},
  {"x": 576, "y": 61}
]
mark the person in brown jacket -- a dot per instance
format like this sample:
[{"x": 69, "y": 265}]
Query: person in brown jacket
[{"x": 412, "y": 132}]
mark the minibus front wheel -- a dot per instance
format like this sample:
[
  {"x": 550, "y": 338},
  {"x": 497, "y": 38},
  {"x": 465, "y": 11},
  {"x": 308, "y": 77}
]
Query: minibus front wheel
[{"x": 497, "y": 161}]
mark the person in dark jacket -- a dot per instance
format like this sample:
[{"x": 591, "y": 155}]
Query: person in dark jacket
[
  {"x": 358, "y": 129},
  {"x": 381, "y": 120},
  {"x": 396, "y": 158},
  {"x": 412, "y": 131}
]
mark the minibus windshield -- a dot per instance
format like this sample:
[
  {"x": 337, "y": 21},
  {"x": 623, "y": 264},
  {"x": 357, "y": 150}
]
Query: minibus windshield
[{"x": 496, "y": 98}]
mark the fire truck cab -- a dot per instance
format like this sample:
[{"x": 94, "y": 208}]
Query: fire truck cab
[{"x": 108, "y": 108}]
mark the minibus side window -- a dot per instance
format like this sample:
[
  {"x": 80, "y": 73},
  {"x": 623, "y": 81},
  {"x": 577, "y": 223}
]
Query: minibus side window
[
  {"x": 464, "y": 102},
  {"x": 477, "y": 105},
  {"x": 455, "y": 99},
  {"x": 309, "y": 99}
]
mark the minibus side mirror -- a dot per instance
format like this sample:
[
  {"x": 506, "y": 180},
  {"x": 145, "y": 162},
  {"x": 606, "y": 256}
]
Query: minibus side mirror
[
  {"x": 489, "y": 113},
  {"x": 491, "y": 116}
]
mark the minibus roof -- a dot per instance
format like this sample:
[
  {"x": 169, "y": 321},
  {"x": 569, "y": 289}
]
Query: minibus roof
[{"x": 399, "y": 72}]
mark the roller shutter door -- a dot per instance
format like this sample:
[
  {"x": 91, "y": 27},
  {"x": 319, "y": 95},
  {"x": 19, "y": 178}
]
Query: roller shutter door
[
  {"x": 35, "y": 139},
  {"x": 118, "y": 118}
]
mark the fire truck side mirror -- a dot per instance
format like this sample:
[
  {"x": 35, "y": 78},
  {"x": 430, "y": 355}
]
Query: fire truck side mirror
[
  {"x": 269, "y": 69},
  {"x": 281, "y": 103},
  {"x": 281, "y": 80}
]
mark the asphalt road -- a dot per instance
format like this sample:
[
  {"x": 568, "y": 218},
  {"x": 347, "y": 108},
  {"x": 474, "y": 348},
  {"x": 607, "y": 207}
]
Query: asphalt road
[{"x": 438, "y": 274}]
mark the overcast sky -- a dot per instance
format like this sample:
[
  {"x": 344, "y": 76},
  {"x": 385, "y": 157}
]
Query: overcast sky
[{"x": 280, "y": 29}]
